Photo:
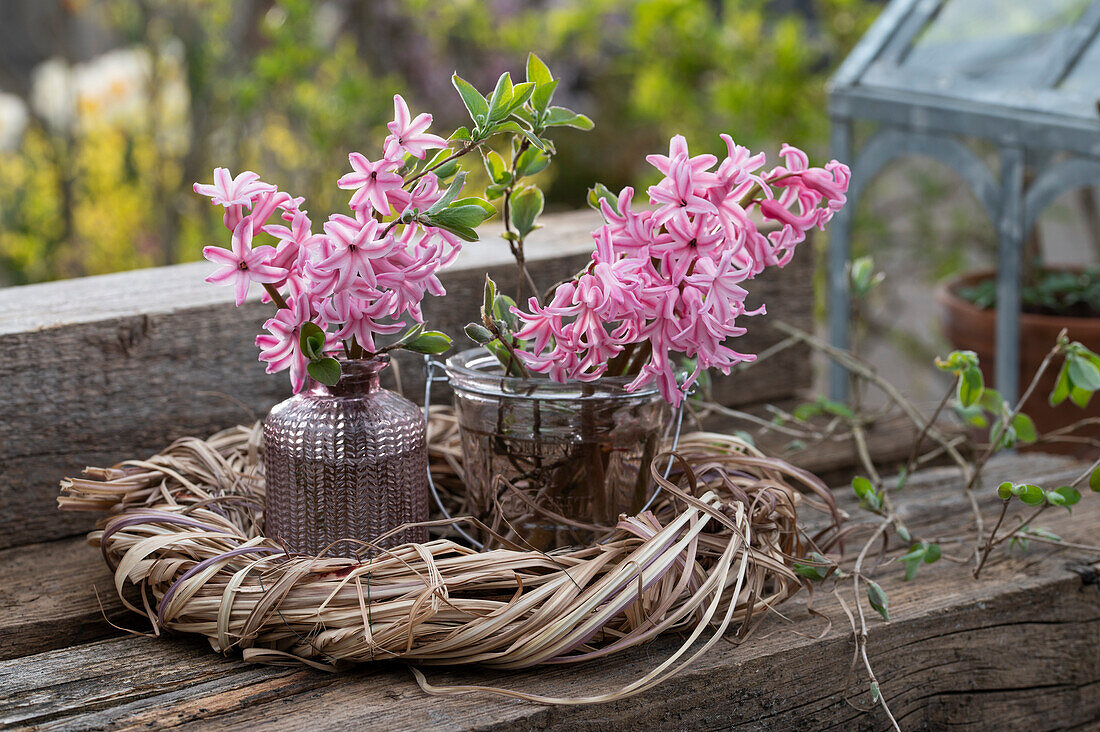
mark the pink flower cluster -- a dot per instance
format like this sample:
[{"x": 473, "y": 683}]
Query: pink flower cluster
[
  {"x": 667, "y": 279},
  {"x": 359, "y": 276}
]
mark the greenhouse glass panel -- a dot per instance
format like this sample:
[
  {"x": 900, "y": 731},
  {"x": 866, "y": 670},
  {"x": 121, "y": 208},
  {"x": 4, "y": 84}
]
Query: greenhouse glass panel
[{"x": 933, "y": 77}]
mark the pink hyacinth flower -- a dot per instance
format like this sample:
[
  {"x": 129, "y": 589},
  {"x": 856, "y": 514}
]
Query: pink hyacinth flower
[
  {"x": 242, "y": 265},
  {"x": 372, "y": 181},
  {"x": 408, "y": 134},
  {"x": 230, "y": 191},
  {"x": 353, "y": 252},
  {"x": 678, "y": 149},
  {"x": 281, "y": 346},
  {"x": 678, "y": 194}
]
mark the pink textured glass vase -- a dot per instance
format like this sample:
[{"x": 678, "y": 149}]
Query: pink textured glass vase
[{"x": 345, "y": 464}]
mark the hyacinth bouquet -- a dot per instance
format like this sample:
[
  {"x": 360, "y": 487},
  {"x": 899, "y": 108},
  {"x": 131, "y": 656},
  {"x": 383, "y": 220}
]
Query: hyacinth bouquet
[
  {"x": 668, "y": 279},
  {"x": 654, "y": 308}
]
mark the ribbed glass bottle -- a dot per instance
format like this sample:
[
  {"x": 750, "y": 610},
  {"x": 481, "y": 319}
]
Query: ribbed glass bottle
[{"x": 345, "y": 464}]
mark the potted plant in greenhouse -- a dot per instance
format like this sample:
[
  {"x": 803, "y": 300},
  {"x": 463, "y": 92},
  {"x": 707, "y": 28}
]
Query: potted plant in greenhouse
[{"x": 1052, "y": 300}]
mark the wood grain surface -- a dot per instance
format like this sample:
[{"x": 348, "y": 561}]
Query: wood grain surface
[{"x": 1016, "y": 650}]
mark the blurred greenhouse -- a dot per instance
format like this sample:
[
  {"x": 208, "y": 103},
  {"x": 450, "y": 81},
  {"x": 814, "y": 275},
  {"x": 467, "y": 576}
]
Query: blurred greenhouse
[{"x": 110, "y": 109}]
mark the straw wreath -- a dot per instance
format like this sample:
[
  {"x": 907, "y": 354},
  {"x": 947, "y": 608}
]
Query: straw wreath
[{"x": 715, "y": 549}]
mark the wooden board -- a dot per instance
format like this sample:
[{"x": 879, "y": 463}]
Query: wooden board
[
  {"x": 100, "y": 369},
  {"x": 1015, "y": 650}
]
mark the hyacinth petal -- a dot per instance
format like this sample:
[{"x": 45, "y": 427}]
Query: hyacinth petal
[
  {"x": 220, "y": 275},
  {"x": 241, "y": 290},
  {"x": 218, "y": 255},
  {"x": 401, "y": 114}
]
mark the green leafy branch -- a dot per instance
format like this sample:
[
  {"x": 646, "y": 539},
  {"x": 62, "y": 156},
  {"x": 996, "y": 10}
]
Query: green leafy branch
[{"x": 497, "y": 330}]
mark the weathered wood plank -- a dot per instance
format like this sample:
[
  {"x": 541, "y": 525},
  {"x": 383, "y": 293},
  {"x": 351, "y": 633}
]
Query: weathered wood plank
[
  {"x": 105, "y": 368},
  {"x": 56, "y": 594},
  {"x": 1016, "y": 650},
  {"x": 889, "y": 441}
]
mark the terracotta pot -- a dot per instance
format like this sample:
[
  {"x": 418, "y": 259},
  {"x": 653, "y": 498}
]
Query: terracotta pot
[{"x": 972, "y": 328}]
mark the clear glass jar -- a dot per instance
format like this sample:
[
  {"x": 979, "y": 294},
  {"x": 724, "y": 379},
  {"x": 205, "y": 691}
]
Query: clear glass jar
[
  {"x": 572, "y": 456},
  {"x": 345, "y": 462}
]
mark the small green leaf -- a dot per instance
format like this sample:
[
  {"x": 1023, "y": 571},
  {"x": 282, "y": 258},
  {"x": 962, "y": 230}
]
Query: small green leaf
[
  {"x": 531, "y": 162},
  {"x": 431, "y": 342},
  {"x": 862, "y": 276},
  {"x": 502, "y": 310},
  {"x": 527, "y": 204},
  {"x": 544, "y": 92},
  {"x": 877, "y": 597},
  {"x": 903, "y": 533},
  {"x": 520, "y": 94},
  {"x": 1032, "y": 495},
  {"x": 970, "y": 386},
  {"x": 498, "y": 169},
  {"x": 600, "y": 192},
  {"x": 1025, "y": 428},
  {"x": 449, "y": 195},
  {"x": 1094, "y": 480},
  {"x": 475, "y": 103},
  {"x": 1070, "y": 495},
  {"x": 488, "y": 297},
  {"x": 973, "y": 415},
  {"x": 497, "y": 348},
  {"x": 411, "y": 334},
  {"x": 501, "y": 99},
  {"x": 991, "y": 401},
  {"x": 916, "y": 552},
  {"x": 875, "y": 692},
  {"x": 805, "y": 411},
  {"x": 312, "y": 341},
  {"x": 1080, "y": 396},
  {"x": 809, "y": 571},
  {"x": 1004, "y": 491},
  {"x": 911, "y": 568},
  {"x": 537, "y": 70},
  {"x": 932, "y": 553},
  {"x": 1061, "y": 387},
  {"x": 862, "y": 487},
  {"x": 562, "y": 117},
  {"x": 839, "y": 409},
  {"x": 957, "y": 361},
  {"x": 1005, "y": 436},
  {"x": 446, "y": 170},
  {"x": 1041, "y": 532},
  {"x": 478, "y": 333},
  {"x": 1083, "y": 373},
  {"x": 487, "y": 207},
  {"x": 462, "y": 133},
  {"x": 325, "y": 370},
  {"x": 463, "y": 216},
  {"x": 495, "y": 191},
  {"x": 815, "y": 571}
]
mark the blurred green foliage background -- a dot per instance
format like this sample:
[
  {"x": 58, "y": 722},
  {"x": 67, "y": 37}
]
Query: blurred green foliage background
[{"x": 99, "y": 176}]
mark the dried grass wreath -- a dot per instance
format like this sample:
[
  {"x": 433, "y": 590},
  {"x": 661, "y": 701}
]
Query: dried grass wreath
[{"x": 716, "y": 548}]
